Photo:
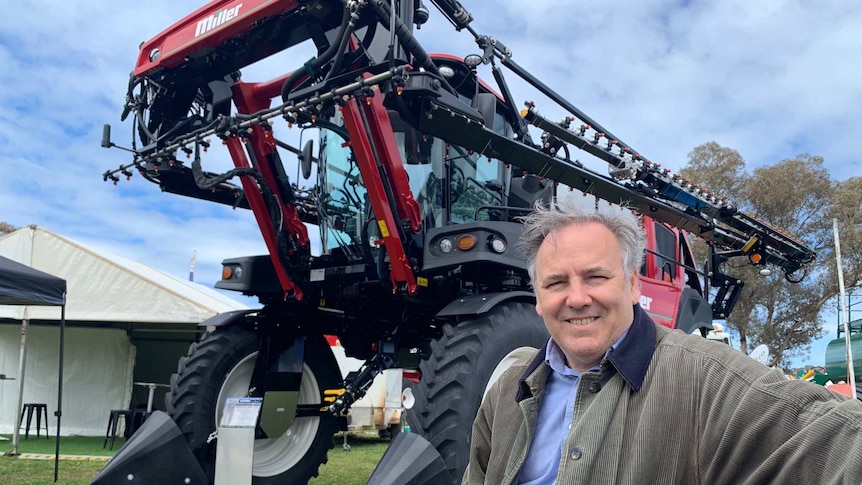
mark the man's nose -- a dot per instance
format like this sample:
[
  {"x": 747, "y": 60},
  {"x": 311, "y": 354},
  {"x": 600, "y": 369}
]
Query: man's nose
[{"x": 577, "y": 295}]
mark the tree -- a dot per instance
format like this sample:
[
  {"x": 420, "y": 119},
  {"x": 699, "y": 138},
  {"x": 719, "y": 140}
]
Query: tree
[
  {"x": 721, "y": 169},
  {"x": 847, "y": 209},
  {"x": 6, "y": 228},
  {"x": 798, "y": 197}
]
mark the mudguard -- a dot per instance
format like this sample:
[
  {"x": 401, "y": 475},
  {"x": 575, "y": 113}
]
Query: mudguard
[
  {"x": 478, "y": 304},
  {"x": 226, "y": 318},
  {"x": 694, "y": 312}
]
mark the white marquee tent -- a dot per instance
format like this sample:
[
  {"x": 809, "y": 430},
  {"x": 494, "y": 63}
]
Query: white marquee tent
[{"x": 108, "y": 299}]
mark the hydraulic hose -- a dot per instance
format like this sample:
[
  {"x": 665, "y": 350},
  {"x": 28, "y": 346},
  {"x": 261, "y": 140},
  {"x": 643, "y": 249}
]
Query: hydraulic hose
[
  {"x": 206, "y": 181},
  {"x": 311, "y": 67},
  {"x": 342, "y": 45},
  {"x": 409, "y": 42}
]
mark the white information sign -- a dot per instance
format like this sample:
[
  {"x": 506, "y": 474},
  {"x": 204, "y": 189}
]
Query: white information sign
[
  {"x": 241, "y": 412},
  {"x": 235, "y": 445}
]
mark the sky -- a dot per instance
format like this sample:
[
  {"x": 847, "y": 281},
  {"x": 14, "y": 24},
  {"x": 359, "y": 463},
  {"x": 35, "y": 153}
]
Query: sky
[{"x": 771, "y": 79}]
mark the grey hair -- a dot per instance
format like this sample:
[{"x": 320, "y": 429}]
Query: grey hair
[{"x": 564, "y": 212}]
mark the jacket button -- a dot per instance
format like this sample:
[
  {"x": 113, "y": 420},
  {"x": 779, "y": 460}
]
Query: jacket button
[
  {"x": 595, "y": 387},
  {"x": 575, "y": 454}
]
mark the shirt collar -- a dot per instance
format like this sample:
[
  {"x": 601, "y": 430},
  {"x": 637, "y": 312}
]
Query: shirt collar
[
  {"x": 630, "y": 355},
  {"x": 556, "y": 360}
]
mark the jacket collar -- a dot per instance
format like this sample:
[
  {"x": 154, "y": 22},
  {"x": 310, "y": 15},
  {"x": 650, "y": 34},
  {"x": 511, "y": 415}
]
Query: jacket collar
[
  {"x": 631, "y": 358},
  {"x": 538, "y": 360}
]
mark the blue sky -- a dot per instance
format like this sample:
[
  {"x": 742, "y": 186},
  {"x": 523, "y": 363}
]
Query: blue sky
[{"x": 771, "y": 79}]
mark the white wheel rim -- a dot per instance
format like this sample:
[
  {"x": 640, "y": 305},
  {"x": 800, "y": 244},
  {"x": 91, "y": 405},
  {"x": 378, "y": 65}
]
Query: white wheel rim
[
  {"x": 505, "y": 363},
  {"x": 275, "y": 455}
]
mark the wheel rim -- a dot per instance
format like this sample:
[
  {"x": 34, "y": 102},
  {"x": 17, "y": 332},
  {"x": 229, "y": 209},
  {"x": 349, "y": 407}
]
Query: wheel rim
[
  {"x": 505, "y": 363},
  {"x": 275, "y": 455}
]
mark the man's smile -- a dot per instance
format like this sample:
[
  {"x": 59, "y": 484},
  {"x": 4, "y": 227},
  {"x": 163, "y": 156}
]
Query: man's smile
[{"x": 578, "y": 322}]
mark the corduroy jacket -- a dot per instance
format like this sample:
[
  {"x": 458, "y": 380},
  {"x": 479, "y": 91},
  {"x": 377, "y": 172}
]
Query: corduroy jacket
[{"x": 666, "y": 407}]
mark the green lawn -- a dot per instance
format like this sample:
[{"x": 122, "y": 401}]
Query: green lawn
[
  {"x": 344, "y": 467},
  {"x": 69, "y": 445}
]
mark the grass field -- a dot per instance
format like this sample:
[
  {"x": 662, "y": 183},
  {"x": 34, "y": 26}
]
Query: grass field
[{"x": 344, "y": 467}]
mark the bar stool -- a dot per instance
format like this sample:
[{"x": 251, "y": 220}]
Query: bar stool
[
  {"x": 139, "y": 416},
  {"x": 114, "y": 419},
  {"x": 41, "y": 409}
]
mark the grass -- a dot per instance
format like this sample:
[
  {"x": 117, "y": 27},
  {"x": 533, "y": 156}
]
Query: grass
[
  {"x": 69, "y": 445},
  {"x": 352, "y": 467},
  {"x": 41, "y": 472}
]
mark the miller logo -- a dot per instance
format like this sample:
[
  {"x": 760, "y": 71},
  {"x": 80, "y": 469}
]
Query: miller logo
[
  {"x": 216, "y": 19},
  {"x": 646, "y": 302}
]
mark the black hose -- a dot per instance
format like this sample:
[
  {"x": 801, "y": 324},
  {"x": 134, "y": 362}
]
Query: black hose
[
  {"x": 313, "y": 65},
  {"x": 142, "y": 126},
  {"x": 206, "y": 181},
  {"x": 130, "y": 96},
  {"x": 410, "y": 43},
  {"x": 342, "y": 46}
]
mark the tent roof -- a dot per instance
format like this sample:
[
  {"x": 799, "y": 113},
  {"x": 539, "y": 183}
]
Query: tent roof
[
  {"x": 107, "y": 288},
  {"x": 23, "y": 285}
]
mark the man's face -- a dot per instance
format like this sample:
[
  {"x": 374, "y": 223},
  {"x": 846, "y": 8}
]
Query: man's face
[{"x": 582, "y": 293}]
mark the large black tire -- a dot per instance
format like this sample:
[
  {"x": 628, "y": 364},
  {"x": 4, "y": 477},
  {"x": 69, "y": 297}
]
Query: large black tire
[
  {"x": 221, "y": 365},
  {"x": 459, "y": 370}
]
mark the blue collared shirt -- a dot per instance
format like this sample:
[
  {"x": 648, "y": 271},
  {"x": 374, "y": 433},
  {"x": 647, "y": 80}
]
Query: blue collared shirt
[{"x": 555, "y": 418}]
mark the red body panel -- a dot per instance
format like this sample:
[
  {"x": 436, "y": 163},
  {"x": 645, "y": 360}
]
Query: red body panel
[
  {"x": 660, "y": 300},
  {"x": 661, "y": 290},
  {"x": 262, "y": 144},
  {"x": 204, "y": 28},
  {"x": 384, "y": 140}
]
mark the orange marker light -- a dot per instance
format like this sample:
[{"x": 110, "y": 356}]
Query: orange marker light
[{"x": 466, "y": 242}]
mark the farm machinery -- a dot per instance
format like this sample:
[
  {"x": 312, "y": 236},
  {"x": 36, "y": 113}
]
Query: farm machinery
[{"x": 415, "y": 190}]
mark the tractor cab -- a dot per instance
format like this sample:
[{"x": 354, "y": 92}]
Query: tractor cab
[{"x": 452, "y": 185}]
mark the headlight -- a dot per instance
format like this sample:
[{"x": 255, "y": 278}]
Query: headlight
[
  {"x": 445, "y": 245},
  {"x": 497, "y": 245}
]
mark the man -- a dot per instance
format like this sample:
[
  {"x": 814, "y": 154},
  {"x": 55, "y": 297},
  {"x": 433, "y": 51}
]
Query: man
[{"x": 616, "y": 399}]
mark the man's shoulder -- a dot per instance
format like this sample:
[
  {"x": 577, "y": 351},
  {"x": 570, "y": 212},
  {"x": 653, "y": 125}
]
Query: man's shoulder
[
  {"x": 509, "y": 379},
  {"x": 700, "y": 355},
  {"x": 675, "y": 338},
  {"x": 520, "y": 366}
]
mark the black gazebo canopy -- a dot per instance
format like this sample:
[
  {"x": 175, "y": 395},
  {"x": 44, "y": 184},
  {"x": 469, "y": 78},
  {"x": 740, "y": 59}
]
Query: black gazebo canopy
[{"x": 23, "y": 285}]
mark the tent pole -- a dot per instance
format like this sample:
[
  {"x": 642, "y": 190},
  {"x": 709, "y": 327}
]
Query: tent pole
[
  {"x": 22, "y": 361},
  {"x": 59, "y": 412}
]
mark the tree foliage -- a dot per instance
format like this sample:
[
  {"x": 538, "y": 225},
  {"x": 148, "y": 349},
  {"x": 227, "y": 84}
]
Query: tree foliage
[
  {"x": 799, "y": 197},
  {"x": 6, "y": 228}
]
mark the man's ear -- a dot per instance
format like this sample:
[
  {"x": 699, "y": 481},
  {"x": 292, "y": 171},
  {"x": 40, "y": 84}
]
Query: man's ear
[{"x": 635, "y": 288}]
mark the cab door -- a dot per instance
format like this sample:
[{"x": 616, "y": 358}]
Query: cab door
[{"x": 662, "y": 279}]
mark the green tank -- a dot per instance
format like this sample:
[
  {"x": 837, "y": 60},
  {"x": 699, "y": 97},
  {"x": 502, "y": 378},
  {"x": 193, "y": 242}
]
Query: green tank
[{"x": 836, "y": 358}]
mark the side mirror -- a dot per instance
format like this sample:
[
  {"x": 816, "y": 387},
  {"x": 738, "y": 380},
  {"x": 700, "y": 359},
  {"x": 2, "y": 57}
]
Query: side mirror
[{"x": 305, "y": 159}]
